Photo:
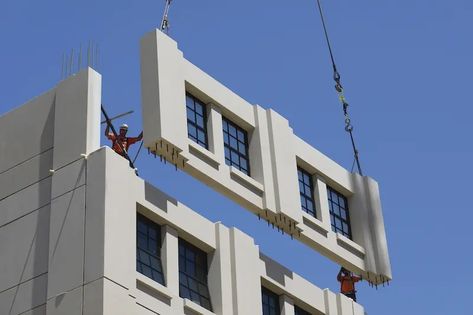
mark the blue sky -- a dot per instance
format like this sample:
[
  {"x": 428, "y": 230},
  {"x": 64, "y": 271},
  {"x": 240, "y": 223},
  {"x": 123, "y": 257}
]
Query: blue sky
[{"x": 406, "y": 67}]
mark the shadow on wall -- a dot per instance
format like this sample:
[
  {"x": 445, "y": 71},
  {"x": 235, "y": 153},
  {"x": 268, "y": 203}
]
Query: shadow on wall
[
  {"x": 276, "y": 271},
  {"x": 158, "y": 198},
  {"x": 35, "y": 251}
]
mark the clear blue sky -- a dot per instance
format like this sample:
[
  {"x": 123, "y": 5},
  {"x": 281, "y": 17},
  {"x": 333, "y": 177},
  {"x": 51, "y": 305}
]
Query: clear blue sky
[{"x": 406, "y": 66}]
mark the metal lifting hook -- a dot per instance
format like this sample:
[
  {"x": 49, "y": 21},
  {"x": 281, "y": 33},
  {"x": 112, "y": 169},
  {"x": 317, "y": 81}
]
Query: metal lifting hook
[{"x": 165, "y": 21}]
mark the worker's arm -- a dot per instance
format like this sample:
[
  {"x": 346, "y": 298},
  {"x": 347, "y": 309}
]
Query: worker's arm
[
  {"x": 132, "y": 140},
  {"x": 109, "y": 134},
  {"x": 356, "y": 278},
  {"x": 339, "y": 276}
]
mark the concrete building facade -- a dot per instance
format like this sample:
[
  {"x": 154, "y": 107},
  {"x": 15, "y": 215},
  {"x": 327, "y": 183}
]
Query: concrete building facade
[{"x": 68, "y": 228}]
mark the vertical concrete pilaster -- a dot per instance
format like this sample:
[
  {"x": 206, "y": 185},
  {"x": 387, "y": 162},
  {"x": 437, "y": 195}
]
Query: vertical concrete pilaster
[
  {"x": 220, "y": 273},
  {"x": 321, "y": 202},
  {"x": 170, "y": 258},
  {"x": 286, "y": 304},
  {"x": 246, "y": 274},
  {"x": 215, "y": 134}
]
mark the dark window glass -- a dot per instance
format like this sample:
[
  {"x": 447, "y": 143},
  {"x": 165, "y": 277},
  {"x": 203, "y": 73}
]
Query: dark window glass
[
  {"x": 148, "y": 249},
  {"x": 300, "y": 311},
  {"x": 193, "y": 273},
  {"x": 236, "y": 146},
  {"x": 196, "y": 120},
  {"x": 270, "y": 302},
  {"x": 306, "y": 191},
  {"x": 339, "y": 215}
]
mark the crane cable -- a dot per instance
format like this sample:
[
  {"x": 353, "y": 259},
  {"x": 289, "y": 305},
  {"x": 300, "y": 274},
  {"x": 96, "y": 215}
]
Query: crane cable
[
  {"x": 165, "y": 21},
  {"x": 341, "y": 96}
]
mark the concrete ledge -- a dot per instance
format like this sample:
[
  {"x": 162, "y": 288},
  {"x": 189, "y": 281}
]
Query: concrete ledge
[
  {"x": 246, "y": 181},
  {"x": 191, "y": 308},
  {"x": 154, "y": 288},
  {"x": 203, "y": 154},
  {"x": 349, "y": 245}
]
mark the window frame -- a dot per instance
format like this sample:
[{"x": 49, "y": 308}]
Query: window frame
[
  {"x": 184, "y": 247},
  {"x": 139, "y": 260},
  {"x": 194, "y": 123},
  {"x": 300, "y": 311},
  {"x": 227, "y": 146},
  {"x": 338, "y": 216},
  {"x": 270, "y": 294},
  {"x": 311, "y": 186}
]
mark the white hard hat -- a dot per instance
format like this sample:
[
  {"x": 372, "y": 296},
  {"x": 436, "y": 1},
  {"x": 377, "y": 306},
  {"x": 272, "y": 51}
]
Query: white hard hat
[{"x": 124, "y": 126}]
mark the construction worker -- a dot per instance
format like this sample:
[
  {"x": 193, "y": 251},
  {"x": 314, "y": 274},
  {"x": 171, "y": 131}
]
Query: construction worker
[
  {"x": 347, "y": 283},
  {"x": 122, "y": 139}
]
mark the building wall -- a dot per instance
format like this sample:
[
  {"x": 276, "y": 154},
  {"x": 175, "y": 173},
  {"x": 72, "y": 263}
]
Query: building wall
[
  {"x": 42, "y": 196},
  {"x": 237, "y": 269},
  {"x": 68, "y": 226}
]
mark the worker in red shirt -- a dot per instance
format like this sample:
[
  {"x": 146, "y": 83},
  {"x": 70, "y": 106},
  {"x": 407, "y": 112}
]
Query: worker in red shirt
[
  {"x": 122, "y": 139},
  {"x": 347, "y": 283}
]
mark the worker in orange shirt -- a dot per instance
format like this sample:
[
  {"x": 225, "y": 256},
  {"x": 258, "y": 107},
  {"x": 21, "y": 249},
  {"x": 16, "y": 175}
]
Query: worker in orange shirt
[
  {"x": 347, "y": 283},
  {"x": 122, "y": 139}
]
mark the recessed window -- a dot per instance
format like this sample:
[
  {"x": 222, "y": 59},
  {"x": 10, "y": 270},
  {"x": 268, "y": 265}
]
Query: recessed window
[
  {"x": 306, "y": 191},
  {"x": 339, "y": 215},
  {"x": 236, "y": 146},
  {"x": 196, "y": 120},
  {"x": 270, "y": 302},
  {"x": 300, "y": 311},
  {"x": 148, "y": 249},
  {"x": 193, "y": 272}
]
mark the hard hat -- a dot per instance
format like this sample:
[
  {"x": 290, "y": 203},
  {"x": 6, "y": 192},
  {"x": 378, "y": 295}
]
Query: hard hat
[{"x": 124, "y": 126}]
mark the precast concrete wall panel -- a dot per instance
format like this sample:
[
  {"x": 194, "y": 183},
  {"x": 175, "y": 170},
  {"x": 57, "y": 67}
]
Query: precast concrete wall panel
[
  {"x": 25, "y": 296},
  {"x": 23, "y": 248},
  {"x": 27, "y": 131},
  {"x": 25, "y": 174},
  {"x": 66, "y": 242},
  {"x": 25, "y": 201},
  {"x": 275, "y": 152}
]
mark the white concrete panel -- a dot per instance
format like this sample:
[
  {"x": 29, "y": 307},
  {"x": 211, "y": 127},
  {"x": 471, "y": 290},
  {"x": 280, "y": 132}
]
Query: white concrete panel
[
  {"x": 163, "y": 88},
  {"x": 170, "y": 255},
  {"x": 344, "y": 305},
  {"x": 245, "y": 274},
  {"x": 366, "y": 209},
  {"x": 215, "y": 135},
  {"x": 331, "y": 304},
  {"x": 220, "y": 272},
  {"x": 358, "y": 309},
  {"x": 77, "y": 117},
  {"x": 264, "y": 173},
  {"x": 142, "y": 310},
  {"x": 39, "y": 310},
  {"x": 116, "y": 300},
  {"x": 25, "y": 174},
  {"x": 68, "y": 178},
  {"x": 68, "y": 302},
  {"x": 120, "y": 220},
  {"x": 156, "y": 297},
  {"x": 286, "y": 304},
  {"x": 232, "y": 105},
  {"x": 66, "y": 242},
  {"x": 275, "y": 152},
  {"x": 93, "y": 297},
  {"x": 24, "y": 248},
  {"x": 284, "y": 166},
  {"x": 95, "y": 215},
  {"x": 27, "y": 131},
  {"x": 24, "y": 297},
  {"x": 25, "y": 201}
]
